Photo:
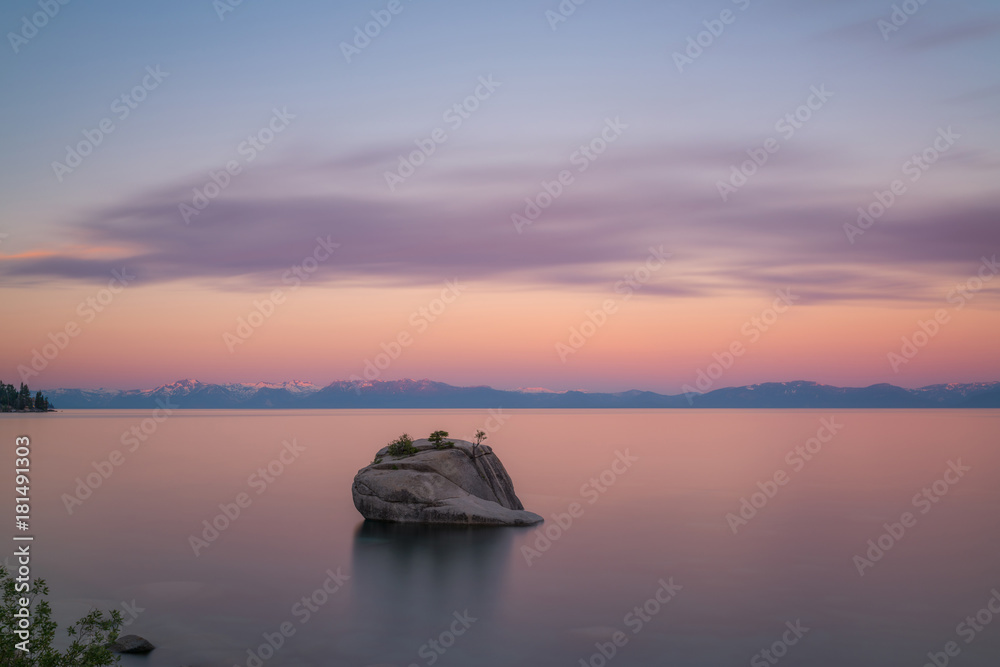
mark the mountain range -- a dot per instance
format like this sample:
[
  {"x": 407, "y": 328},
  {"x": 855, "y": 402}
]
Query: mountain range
[{"x": 401, "y": 394}]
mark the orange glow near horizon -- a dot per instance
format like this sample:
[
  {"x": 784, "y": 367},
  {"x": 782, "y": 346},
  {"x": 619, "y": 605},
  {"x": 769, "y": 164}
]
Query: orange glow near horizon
[{"x": 154, "y": 335}]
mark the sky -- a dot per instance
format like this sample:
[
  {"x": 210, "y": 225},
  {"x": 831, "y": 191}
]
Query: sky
[{"x": 603, "y": 196}]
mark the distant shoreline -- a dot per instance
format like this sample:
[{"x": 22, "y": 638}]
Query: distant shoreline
[
  {"x": 577, "y": 409},
  {"x": 426, "y": 394}
]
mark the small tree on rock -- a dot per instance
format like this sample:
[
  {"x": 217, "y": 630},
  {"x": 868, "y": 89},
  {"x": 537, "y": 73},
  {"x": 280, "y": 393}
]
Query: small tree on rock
[
  {"x": 480, "y": 436},
  {"x": 437, "y": 438},
  {"x": 402, "y": 446}
]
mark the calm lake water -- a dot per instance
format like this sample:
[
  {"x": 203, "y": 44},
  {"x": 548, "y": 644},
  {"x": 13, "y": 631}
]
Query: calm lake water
[{"x": 556, "y": 594}]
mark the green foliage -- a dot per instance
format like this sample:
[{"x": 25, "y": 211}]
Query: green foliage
[
  {"x": 402, "y": 446},
  {"x": 378, "y": 459},
  {"x": 12, "y": 399},
  {"x": 438, "y": 440},
  {"x": 90, "y": 634}
]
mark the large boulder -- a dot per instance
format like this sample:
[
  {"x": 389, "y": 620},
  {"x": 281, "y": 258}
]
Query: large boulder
[{"x": 447, "y": 485}]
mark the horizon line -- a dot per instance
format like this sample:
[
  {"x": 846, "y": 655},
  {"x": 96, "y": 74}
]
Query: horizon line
[{"x": 523, "y": 390}]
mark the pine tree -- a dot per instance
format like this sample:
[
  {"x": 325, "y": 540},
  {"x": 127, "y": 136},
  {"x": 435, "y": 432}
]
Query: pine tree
[{"x": 12, "y": 399}]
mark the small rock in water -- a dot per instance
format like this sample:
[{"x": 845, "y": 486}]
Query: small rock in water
[{"x": 131, "y": 644}]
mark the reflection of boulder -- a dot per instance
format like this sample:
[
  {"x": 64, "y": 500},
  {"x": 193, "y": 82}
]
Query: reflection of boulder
[
  {"x": 409, "y": 580},
  {"x": 440, "y": 486},
  {"x": 447, "y": 566}
]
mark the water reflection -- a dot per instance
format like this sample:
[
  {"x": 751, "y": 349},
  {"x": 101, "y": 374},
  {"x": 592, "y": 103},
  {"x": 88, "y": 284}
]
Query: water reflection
[
  {"x": 410, "y": 581},
  {"x": 666, "y": 517}
]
